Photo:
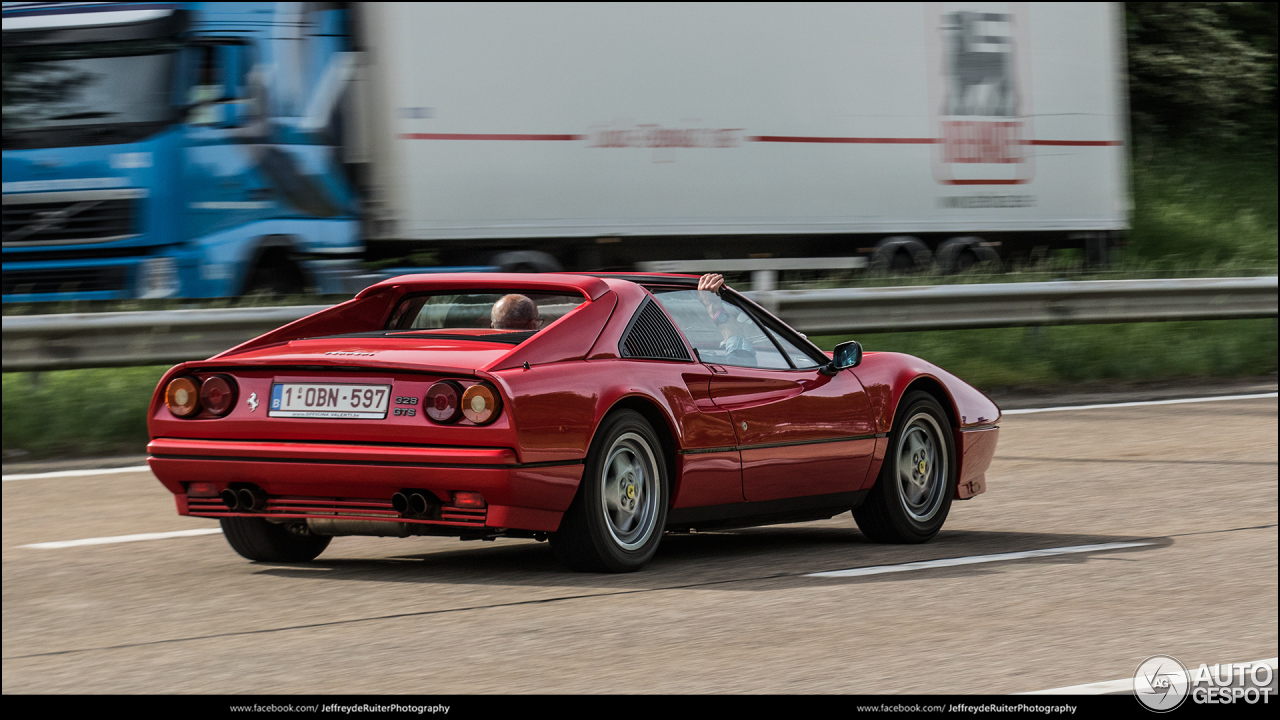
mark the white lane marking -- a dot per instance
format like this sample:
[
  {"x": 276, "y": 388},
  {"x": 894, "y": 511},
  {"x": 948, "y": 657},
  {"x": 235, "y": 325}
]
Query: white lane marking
[
  {"x": 123, "y": 539},
  {"x": 77, "y": 473},
  {"x": 975, "y": 559},
  {"x": 1126, "y": 684},
  {"x": 1215, "y": 398}
]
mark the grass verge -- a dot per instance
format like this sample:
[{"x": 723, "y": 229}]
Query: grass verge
[
  {"x": 82, "y": 413},
  {"x": 1003, "y": 358},
  {"x": 77, "y": 413}
]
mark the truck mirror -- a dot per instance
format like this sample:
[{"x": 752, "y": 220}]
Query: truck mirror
[
  {"x": 236, "y": 113},
  {"x": 207, "y": 114}
]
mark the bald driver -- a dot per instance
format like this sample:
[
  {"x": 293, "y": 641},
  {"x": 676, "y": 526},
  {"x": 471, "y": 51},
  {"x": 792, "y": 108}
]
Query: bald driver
[{"x": 515, "y": 312}]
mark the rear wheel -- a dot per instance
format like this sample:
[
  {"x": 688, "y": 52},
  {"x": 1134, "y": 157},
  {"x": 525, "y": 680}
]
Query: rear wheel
[
  {"x": 911, "y": 498},
  {"x": 257, "y": 539},
  {"x": 275, "y": 274},
  {"x": 615, "y": 523}
]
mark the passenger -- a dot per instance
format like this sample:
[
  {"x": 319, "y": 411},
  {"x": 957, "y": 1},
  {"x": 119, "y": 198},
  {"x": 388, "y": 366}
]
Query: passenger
[
  {"x": 515, "y": 312},
  {"x": 736, "y": 347}
]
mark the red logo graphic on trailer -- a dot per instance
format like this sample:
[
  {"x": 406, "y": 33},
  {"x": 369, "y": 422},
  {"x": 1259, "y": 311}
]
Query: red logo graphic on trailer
[{"x": 980, "y": 93}]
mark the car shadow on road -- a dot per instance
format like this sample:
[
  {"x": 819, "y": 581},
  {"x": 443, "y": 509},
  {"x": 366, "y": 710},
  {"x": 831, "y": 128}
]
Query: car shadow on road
[{"x": 741, "y": 560}]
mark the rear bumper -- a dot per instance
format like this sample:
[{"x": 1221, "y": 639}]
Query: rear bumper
[{"x": 326, "y": 480}]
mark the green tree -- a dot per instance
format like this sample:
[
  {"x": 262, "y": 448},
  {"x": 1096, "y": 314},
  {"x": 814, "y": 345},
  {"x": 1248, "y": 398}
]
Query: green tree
[{"x": 1203, "y": 71}]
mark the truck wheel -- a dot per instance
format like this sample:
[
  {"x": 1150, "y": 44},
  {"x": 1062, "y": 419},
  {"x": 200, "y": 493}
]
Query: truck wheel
[
  {"x": 275, "y": 276},
  {"x": 960, "y": 254},
  {"x": 615, "y": 522},
  {"x": 901, "y": 254},
  {"x": 262, "y": 541},
  {"x": 530, "y": 261},
  {"x": 911, "y": 498}
]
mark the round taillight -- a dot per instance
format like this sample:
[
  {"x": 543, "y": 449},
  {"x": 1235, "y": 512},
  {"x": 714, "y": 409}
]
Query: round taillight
[
  {"x": 183, "y": 396},
  {"x": 444, "y": 401},
  {"x": 480, "y": 404},
  {"x": 218, "y": 394}
]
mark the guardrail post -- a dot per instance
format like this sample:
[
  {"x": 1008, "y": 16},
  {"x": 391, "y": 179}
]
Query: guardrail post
[{"x": 764, "y": 280}]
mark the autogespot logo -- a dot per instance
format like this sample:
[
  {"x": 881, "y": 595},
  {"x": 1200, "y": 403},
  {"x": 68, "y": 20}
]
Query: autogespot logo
[{"x": 1160, "y": 683}]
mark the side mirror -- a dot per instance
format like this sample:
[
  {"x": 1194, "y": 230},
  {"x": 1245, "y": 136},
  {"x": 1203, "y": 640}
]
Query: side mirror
[
  {"x": 845, "y": 356},
  {"x": 220, "y": 114},
  {"x": 236, "y": 113},
  {"x": 207, "y": 114}
]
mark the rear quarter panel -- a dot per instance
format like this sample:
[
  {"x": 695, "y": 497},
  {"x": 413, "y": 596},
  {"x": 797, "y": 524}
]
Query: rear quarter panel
[{"x": 557, "y": 409}]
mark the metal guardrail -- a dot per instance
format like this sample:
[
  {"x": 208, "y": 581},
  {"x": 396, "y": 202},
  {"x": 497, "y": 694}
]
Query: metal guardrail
[
  {"x": 956, "y": 307},
  {"x": 120, "y": 339},
  {"x": 59, "y": 342}
]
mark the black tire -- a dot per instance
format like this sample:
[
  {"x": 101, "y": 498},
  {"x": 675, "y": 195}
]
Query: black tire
[
  {"x": 274, "y": 275},
  {"x": 907, "y": 505},
  {"x": 262, "y": 541},
  {"x": 900, "y": 254},
  {"x": 960, "y": 254},
  {"x": 606, "y": 529},
  {"x": 526, "y": 261}
]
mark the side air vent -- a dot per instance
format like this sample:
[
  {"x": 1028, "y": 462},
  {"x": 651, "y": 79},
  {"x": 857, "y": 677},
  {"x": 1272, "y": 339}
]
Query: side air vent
[{"x": 651, "y": 336}]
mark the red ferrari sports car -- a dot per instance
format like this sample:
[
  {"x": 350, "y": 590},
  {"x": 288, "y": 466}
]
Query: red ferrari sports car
[{"x": 594, "y": 411}]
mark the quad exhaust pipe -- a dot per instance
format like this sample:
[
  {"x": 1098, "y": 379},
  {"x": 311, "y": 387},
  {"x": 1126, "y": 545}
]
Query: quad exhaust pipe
[
  {"x": 416, "y": 504},
  {"x": 400, "y": 502},
  {"x": 245, "y": 499}
]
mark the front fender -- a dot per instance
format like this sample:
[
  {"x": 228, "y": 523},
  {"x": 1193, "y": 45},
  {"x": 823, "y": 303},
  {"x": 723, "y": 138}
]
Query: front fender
[{"x": 887, "y": 375}]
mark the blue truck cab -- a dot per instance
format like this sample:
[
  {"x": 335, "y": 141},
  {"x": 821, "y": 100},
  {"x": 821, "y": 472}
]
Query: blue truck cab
[{"x": 159, "y": 150}]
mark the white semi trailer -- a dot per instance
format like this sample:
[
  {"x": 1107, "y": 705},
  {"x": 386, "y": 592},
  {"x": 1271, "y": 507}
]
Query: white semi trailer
[{"x": 615, "y": 135}]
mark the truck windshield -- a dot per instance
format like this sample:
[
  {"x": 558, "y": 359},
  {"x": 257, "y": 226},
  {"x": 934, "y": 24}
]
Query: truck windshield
[{"x": 92, "y": 84}]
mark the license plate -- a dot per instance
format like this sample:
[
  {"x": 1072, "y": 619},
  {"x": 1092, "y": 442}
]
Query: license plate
[{"x": 357, "y": 402}]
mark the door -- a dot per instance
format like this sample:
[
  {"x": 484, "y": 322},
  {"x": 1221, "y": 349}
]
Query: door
[{"x": 799, "y": 432}]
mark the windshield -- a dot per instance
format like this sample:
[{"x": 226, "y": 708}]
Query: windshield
[
  {"x": 507, "y": 310},
  {"x": 50, "y": 87}
]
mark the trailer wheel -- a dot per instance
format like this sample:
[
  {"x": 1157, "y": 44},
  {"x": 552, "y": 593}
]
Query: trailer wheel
[
  {"x": 530, "y": 261},
  {"x": 901, "y": 254},
  {"x": 960, "y": 254}
]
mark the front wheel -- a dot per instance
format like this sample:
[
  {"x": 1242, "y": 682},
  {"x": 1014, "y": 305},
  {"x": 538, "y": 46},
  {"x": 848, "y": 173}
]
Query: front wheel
[
  {"x": 257, "y": 539},
  {"x": 912, "y": 496},
  {"x": 615, "y": 522}
]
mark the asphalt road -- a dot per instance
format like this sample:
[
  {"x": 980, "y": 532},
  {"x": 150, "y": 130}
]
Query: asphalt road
[{"x": 727, "y": 612}]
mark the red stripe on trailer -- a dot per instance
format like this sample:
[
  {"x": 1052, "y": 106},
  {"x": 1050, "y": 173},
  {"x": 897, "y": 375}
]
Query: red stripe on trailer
[
  {"x": 486, "y": 136},
  {"x": 1075, "y": 143},
  {"x": 756, "y": 138},
  {"x": 858, "y": 140},
  {"x": 1006, "y": 181}
]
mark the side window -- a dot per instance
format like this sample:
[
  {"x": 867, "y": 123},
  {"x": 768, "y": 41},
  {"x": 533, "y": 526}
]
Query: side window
[
  {"x": 723, "y": 333},
  {"x": 207, "y": 86},
  {"x": 798, "y": 357},
  {"x": 218, "y": 83}
]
